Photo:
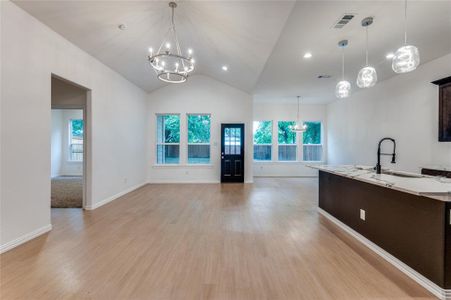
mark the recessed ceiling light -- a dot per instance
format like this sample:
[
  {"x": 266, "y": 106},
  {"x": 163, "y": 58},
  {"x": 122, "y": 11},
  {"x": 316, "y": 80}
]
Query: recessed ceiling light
[
  {"x": 308, "y": 55},
  {"x": 225, "y": 68},
  {"x": 389, "y": 55},
  {"x": 122, "y": 26}
]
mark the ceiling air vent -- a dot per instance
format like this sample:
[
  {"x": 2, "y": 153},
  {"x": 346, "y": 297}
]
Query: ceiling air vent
[
  {"x": 345, "y": 19},
  {"x": 325, "y": 76}
]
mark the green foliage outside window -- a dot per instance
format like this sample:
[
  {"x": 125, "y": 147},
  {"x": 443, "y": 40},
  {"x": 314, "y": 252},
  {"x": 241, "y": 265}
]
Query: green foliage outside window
[
  {"x": 77, "y": 128},
  {"x": 171, "y": 128},
  {"x": 262, "y": 132},
  {"x": 313, "y": 133},
  {"x": 198, "y": 129},
  {"x": 285, "y": 135}
]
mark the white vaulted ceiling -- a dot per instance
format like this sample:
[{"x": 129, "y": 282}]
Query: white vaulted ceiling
[
  {"x": 262, "y": 42},
  {"x": 240, "y": 34}
]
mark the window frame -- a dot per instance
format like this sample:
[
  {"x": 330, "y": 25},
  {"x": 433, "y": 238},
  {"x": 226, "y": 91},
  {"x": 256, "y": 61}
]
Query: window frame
[
  {"x": 157, "y": 143},
  {"x": 295, "y": 144},
  {"x": 270, "y": 144},
  {"x": 188, "y": 143},
  {"x": 69, "y": 152}
]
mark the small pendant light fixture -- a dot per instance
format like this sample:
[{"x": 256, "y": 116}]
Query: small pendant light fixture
[
  {"x": 299, "y": 127},
  {"x": 367, "y": 76},
  {"x": 406, "y": 58},
  {"x": 343, "y": 88}
]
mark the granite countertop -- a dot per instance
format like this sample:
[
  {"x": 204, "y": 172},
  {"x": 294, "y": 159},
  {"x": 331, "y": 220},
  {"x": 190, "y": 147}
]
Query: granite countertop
[{"x": 422, "y": 185}]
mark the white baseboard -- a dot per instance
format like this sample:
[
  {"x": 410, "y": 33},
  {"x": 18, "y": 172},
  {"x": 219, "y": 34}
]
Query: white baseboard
[
  {"x": 114, "y": 197},
  {"x": 25, "y": 238},
  {"x": 444, "y": 294},
  {"x": 285, "y": 176},
  {"x": 159, "y": 181}
]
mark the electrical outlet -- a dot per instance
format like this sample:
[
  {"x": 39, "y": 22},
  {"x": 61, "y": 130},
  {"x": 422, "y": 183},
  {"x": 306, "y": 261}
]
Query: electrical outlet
[
  {"x": 125, "y": 180},
  {"x": 362, "y": 214}
]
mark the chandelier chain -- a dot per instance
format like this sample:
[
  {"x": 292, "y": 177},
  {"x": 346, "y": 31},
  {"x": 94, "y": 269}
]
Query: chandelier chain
[{"x": 405, "y": 22}]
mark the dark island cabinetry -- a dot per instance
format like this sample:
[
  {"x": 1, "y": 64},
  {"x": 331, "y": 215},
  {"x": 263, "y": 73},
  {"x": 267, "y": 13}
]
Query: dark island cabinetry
[{"x": 414, "y": 229}]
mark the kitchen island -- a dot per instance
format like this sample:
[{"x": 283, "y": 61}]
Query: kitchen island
[{"x": 403, "y": 217}]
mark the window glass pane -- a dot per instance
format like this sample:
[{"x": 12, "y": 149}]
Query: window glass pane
[
  {"x": 262, "y": 152},
  {"x": 311, "y": 138},
  {"x": 198, "y": 154},
  {"x": 238, "y": 141},
  {"x": 312, "y": 152},
  {"x": 198, "y": 129},
  {"x": 76, "y": 140},
  {"x": 168, "y": 132},
  {"x": 227, "y": 140},
  {"x": 313, "y": 133},
  {"x": 168, "y": 154},
  {"x": 168, "y": 128},
  {"x": 262, "y": 132},
  {"x": 199, "y": 139},
  {"x": 287, "y": 152},
  {"x": 285, "y": 135},
  {"x": 262, "y": 140}
]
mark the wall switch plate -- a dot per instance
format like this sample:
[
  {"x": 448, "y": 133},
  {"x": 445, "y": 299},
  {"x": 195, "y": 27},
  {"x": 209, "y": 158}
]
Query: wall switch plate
[{"x": 362, "y": 214}]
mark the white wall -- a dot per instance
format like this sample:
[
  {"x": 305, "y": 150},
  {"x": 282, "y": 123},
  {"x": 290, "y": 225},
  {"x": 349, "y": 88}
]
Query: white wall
[
  {"x": 30, "y": 53},
  {"x": 200, "y": 94},
  {"x": 56, "y": 140},
  {"x": 61, "y": 165},
  {"x": 404, "y": 107},
  {"x": 288, "y": 112}
]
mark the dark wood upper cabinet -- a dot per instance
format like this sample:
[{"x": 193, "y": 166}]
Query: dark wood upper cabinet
[{"x": 444, "y": 117}]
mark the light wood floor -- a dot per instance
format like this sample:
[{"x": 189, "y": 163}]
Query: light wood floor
[{"x": 207, "y": 241}]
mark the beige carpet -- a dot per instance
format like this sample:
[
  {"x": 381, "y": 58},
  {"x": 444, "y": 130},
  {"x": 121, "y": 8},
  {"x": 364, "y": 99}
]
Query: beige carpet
[{"x": 67, "y": 191}]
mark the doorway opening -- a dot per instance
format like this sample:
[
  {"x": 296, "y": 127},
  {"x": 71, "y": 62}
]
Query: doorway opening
[{"x": 68, "y": 144}]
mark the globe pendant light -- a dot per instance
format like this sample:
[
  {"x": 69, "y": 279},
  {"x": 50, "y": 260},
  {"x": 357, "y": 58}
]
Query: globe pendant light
[
  {"x": 299, "y": 126},
  {"x": 343, "y": 88},
  {"x": 171, "y": 65},
  {"x": 406, "y": 58},
  {"x": 367, "y": 76}
]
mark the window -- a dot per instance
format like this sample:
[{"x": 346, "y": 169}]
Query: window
[
  {"x": 311, "y": 139},
  {"x": 262, "y": 140},
  {"x": 168, "y": 139},
  {"x": 199, "y": 139},
  {"x": 287, "y": 141},
  {"x": 76, "y": 140}
]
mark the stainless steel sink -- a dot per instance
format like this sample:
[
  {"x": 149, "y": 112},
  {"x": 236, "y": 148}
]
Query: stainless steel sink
[{"x": 399, "y": 174}]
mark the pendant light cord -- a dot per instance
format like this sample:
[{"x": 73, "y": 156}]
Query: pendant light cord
[
  {"x": 405, "y": 22},
  {"x": 298, "y": 110},
  {"x": 342, "y": 63},
  {"x": 366, "y": 28}
]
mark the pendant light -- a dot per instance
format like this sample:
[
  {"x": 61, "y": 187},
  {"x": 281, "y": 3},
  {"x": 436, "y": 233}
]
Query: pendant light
[
  {"x": 343, "y": 88},
  {"x": 299, "y": 127},
  {"x": 367, "y": 76},
  {"x": 406, "y": 58}
]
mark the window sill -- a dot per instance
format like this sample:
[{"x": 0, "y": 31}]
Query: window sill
[{"x": 200, "y": 166}]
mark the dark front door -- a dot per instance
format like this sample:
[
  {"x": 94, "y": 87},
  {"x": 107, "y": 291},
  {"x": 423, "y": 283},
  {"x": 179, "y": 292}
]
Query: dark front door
[{"x": 232, "y": 152}]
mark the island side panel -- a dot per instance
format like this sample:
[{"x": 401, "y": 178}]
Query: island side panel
[
  {"x": 448, "y": 246},
  {"x": 409, "y": 227}
]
